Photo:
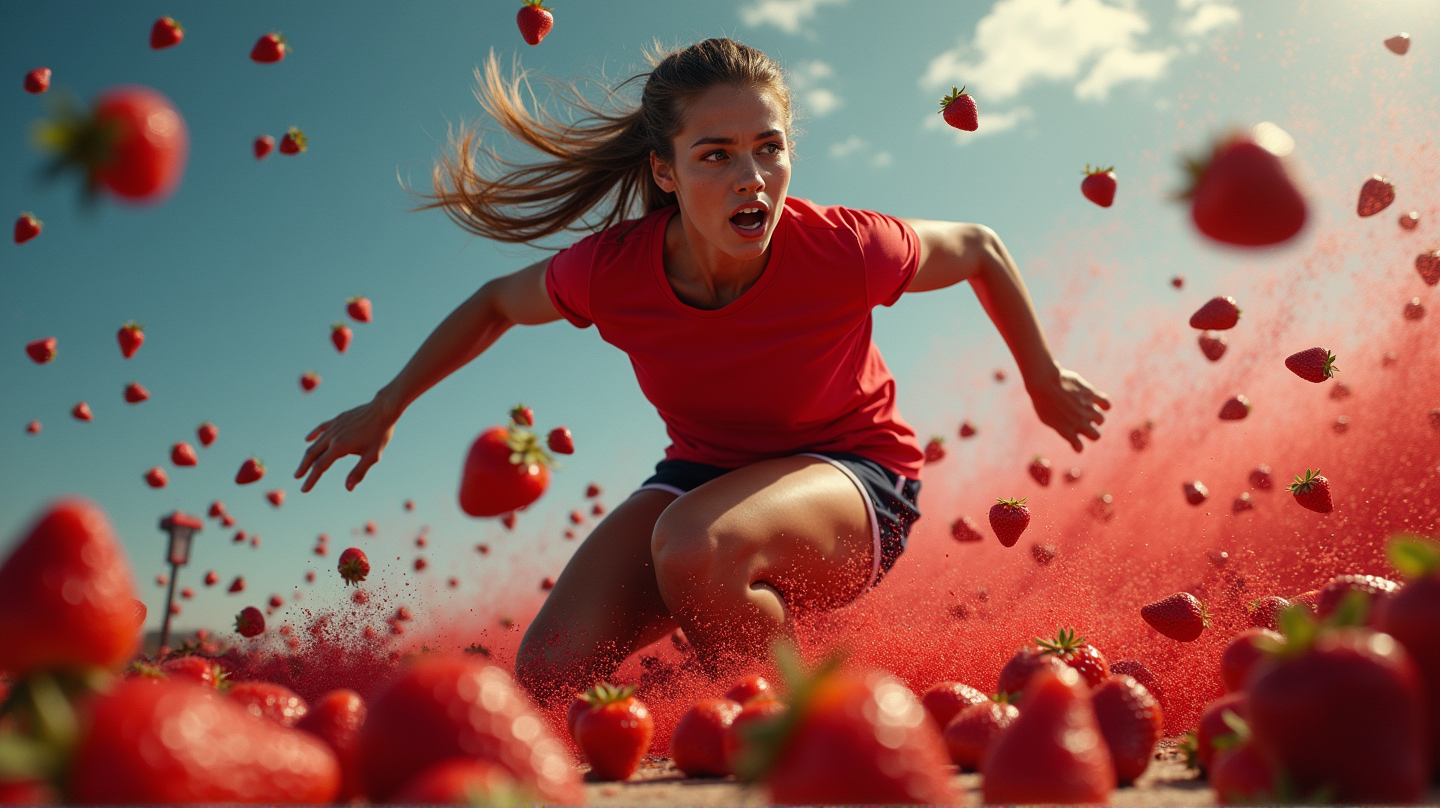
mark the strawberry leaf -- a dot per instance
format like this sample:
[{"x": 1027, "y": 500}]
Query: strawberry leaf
[{"x": 1414, "y": 556}]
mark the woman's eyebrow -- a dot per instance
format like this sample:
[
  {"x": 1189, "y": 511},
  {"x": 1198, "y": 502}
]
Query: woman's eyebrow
[{"x": 730, "y": 141}]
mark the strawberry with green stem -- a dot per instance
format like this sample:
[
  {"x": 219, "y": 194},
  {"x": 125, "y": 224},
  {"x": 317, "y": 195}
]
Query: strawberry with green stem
[
  {"x": 1009, "y": 518},
  {"x": 1181, "y": 616},
  {"x": 1099, "y": 185},
  {"x": 132, "y": 143},
  {"x": 1312, "y": 364},
  {"x": 27, "y": 227},
  {"x": 959, "y": 110},
  {"x": 294, "y": 141},
  {"x": 505, "y": 470},
  {"x": 1243, "y": 193},
  {"x": 130, "y": 336},
  {"x": 1072, "y": 649},
  {"x": 1312, "y": 491},
  {"x": 534, "y": 21},
  {"x": 269, "y": 49},
  {"x": 166, "y": 33}
]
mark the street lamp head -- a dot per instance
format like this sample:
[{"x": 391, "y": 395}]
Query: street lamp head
[{"x": 182, "y": 528}]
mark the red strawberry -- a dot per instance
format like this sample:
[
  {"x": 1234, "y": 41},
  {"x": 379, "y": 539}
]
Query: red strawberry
[
  {"x": 340, "y": 334},
  {"x": 592, "y": 490},
  {"x": 310, "y": 576},
  {"x": 262, "y": 146},
  {"x": 535, "y": 21},
  {"x": 463, "y": 782},
  {"x": 576, "y": 517},
  {"x": 157, "y": 478},
  {"x": 194, "y": 668},
  {"x": 41, "y": 351},
  {"x": 1410, "y": 221},
  {"x": 1099, "y": 185},
  {"x": 748, "y": 688},
  {"x": 81, "y": 412},
  {"x": 409, "y": 505},
  {"x": 134, "y": 144},
  {"x": 1428, "y": 265},
  {"x": 597, "y": 509},
  {"x": 964, "y": 530},
  {"x": 1000, "y": 376},
  {"x": 1141, "y": 674},
  {"x": 309, "y": 380},
  {"x": 1140, "y": 436},
  {"x": 440, "y": 708},
  {"x": 131, "y": 336},
  {"x": 1414, "y": 310},
  {"x": 1009, "y": 518},
  {"x": 959, "y": 110},
  {"x": 1218, "y": 314},
  {"x": 37, "y": 81},
  {"x": 207, "y": 432},
  {"x": 1312, "y": 364},
  {"x": 336, "y": 719},
  {"x": 294, "y": 141},
  {"x": 1340, "y": 391},
  {"x": 166, "y": 33},
  {"x": 1242, "y": 503},
  {"x": 269, "y": 49},
  {"x": 1398, "y": 44},
  {"x": 1021, "y": 668},
  {"x": 935, "y": 450},
  {"x": 1213, "y": 725},
  {"x": 183, "y": 454},
  {"x": 504, "y": 471},
  {"x": 697, "y": 747},
  {"x": 969, "y": 734},
  {"x": 967, "y": 430},
  {"x": 1040, "y": 470},
  {"x": 237, "y": 585},
  {"x": 354, "y": 566},
  {"x": 359, "y": 310},
  {"x": 1195, "y": 492},
  {"x": 131, "y": 754},
  {"x": 1078, "y": 654},
  {"x": 1244, "y": 194},
  {"x": 1260, "y": 478},
  {"x": 1054, "y": 752},
  {"x": 370, "y": 528},
  {"x": 1375, "y": 195},
  {"x": 1235, "y": 408},
  {"x": 421, "y": 564},
  {"x": 1375, "y": 589},
  {"x": 136, "y": 393},
  {"x": 1042, "y": 553},
  {"x": 1240, "y": 775},
  {"x": 250, "y": 471},
  {"x": 27, "y": 227},
  {"x": 1212, "y": 347},
  {"x": 227, "y": 521},
  {"x": 1178, "y": 281},
  {"x": 249, "y": 622},
  {"x": 1412, "y": 616},
  {"x": 32, "y": 428},
  {"x": 240, "y": 537},
  {"x": 1312, "y": 491},
  {"x": 1180, "y": 617},
  {"x": 1265, "y": 612},
  {"x": 278, "y": 703},
  {"x": 1131, "y": 720},
  {"x": 212, "y": 578},
  {"x": 741, "y": 739},
  {"x": 560, "y": 441},
  {"x": 944, "y": 700},
  {"x": 1241, "y": 654}
]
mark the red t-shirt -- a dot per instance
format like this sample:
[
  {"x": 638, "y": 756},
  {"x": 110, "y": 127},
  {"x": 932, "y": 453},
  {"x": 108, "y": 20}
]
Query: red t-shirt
[{"x": 789, "y": 366}]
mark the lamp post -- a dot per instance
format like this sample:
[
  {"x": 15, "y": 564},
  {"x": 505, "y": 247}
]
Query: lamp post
[{"x": 182, "y": 528}]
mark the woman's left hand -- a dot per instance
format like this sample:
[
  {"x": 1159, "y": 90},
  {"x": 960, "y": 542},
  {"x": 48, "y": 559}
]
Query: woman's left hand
[{"x": 1069, "y": 405}]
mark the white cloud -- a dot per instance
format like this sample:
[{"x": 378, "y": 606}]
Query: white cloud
[
  {"x": 859, "y": 146},
  {"x": 989, "y": 123},
  {"x": 822, "y": 102},
  {"x": 789, "y": 16},
  {"x": 1121, "y": 65},
  {"x": 806, "y": 79},
  {"x": 1207, "y": 17}
]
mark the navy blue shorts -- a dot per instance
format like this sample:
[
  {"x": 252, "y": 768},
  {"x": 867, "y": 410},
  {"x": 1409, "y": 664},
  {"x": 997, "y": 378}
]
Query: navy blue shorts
[{"x": 889, "y": 497}]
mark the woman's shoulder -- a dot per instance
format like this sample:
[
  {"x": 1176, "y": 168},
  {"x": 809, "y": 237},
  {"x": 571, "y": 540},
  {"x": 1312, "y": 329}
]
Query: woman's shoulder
[{"x": 828, "y": 217}]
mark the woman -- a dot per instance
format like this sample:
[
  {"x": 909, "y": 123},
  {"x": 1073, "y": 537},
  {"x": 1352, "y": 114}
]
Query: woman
[{"x": 791, "y": 481}]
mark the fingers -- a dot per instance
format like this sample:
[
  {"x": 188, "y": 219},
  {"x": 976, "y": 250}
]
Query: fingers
[
  {"x": 314, "y": 433},
  {"x": 315, "y": 450},
  {"x": 321, "y": 465},
  {"x": 358, "y": 473}
]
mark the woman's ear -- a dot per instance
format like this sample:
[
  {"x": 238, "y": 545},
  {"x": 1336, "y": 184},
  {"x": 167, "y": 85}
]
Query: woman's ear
[{"x": 663, "y": 172}]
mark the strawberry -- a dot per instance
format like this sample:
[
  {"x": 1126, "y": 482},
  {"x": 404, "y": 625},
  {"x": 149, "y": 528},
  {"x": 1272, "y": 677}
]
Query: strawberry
[
  {"x": 227, "y": 521},
  {"x": 41, "y": 351},
  {"x": 1412, "y": 616},
  {"x": 1374, "y": 589},
  {"x": 576, "y": 517},
  {"x": 1141, "y": 674},
  {"x": 133, "y": 144},
  {"x": 535, "y": 21},
  {"x": 250, "y": 471},
  {"x": 1195, "y": 492},
  {"x": 1375, "y": 195},
  {"x": 37, "y": 81},
  {"x": 1312, "y": 491},
  {"x": 463, "y": 782},
  {"x": 1241, "y": 654},
  {"x": 560, "y": 441},
  {"x": 969, "y": 734},
  {"x": 240, "y": 537},
  {"x": 211, "y": 578},
  {"x": 1265, "y": 612},
  {"x": 1009, "y": 518},
  {"x": 421, "y": 564},
  {"x": 744, "y": 738},
  {"x": 166, "y": 33},
  {"x": 1410, "y": 221},
  {"x": 237, "y": 585},
  {"x": 1212, "y": 347},
  {"x": 276, "y": 601},
  {"x": 1414, "y": 310},
  {"x": 207, "y": 432},
  {"x": 1099, "y": 185},
  {"x": 1308, "y": 600},
  {"x": 1000, "y": 376},
  {"x": 592, "y": 490},
  {"x": 1021, "y": 668},
  {"x": 749, "y": 687},
  {"x": 1428, "y": 265},
  {"x": 249, "y": 622},
  {"x": 1398, "y": 44},
  {"x": 1312, "y": 364},
  {"x": 309, "y": 380},
  {"x": 370, "y": 528},
  {"x": 944, "y": 700},
  {"x": 1054, "y": 752},
  {"x": 1235, "y": 408},
  {"x": 1218, "y": 314},
  {"x": 935, "y": 450},
  {"x": 1040, "y": 470},
  {"x": 1213, "y": 725},
  {"x": 1180, "y": 616},
  {"x": 1340, "y": 391},
  {"x": 310, "y": 576},
  {"x": 505, "y": 470},
  {"x": 27, "y": 227},
  {"x": 967, "y": 430},
  {"x": 32, "y": 428},
  {"x": 1178, "y": 281},
  {"x": 1240, "y": 775},
  {"x": 1260, "y": 478},
  {"x": 358, "y": 308},
  {"x": 597, "y": 509},
  {"x": 1242, "y": 503},
  {"x": 697, "y": 747},
  {"x": 336, "y": 719},
  {"x": 294, "y": 141},
  {"x": 1131, "y": 720},
  {"x": 131, "y": 336},
  {"x": 136, "y": 393},
  {"x": 1244, "y": 194},
  {"x": 270, "y": 701},
  {"x": 340, "y": 334},
  {"x": 269, "y": 49},
  {"x": 157, "y": 478},
  {"x": 131, "y": 753},
  {"x": 262, "y": 146},
  {"x": 183, "y": 454},
  {"x": 964, "y": 530},
  {"x": 195, "y": 668},
  {"x": 959, "y": 110},
  {"x": 1342, "y": 710},
  {"x": 1140, "y": 436},
  {"x": 1078, "y": 654}
]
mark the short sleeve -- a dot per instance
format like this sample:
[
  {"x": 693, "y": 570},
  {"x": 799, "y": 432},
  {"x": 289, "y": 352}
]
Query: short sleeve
[
  {"x": 891, "y": 250},
  {"x": 567, "y": 280}
]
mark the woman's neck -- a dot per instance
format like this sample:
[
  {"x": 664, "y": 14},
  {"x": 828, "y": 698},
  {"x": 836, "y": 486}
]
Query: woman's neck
[{"x": 702, "y": 276}]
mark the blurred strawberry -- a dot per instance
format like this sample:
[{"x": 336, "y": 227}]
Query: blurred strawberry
[
  {"x": 32, "y": 428},
  {"x": 1195, "y": 492},
  {"x": 1099, "y": 185},
  {"x": 1180, "y": 616},
  {"x": 1213, "y": 347},
  {"x": 935, "y": 450},
  {"x": 276, "y": 497},
  {"x": 969, "y": 734},
  {"x": 1374, "y": 589},
  {"x": 340, "y": 334},
  {"x": 944, "y": 700},
  {"x": 354, "y": 566},
  {"x": 269, "y": 49},
  {"x": 193, "y": 668},
  {"x": 1241, "y": 654},
  {"x": 1078, "y": 654},
  {"x": 535, "y": 21},
  {"x": 27, "y": 227},
  {"x": 183, "y": 454},
  {"x": 1140, "y": 436},
  {"x": 207, "y": 432},
  {"x": 1428, "y": 265},
  {"x": 309, "y": 380},
  {"x": 359, "y": 309},
  {"x": 1312, "y": 364},
  {"x": 1414, "y": 309},
  {"x": 697, "y": 745},
  {"x": 1260, "y": 478},
  {"x": 1240, "y": 775},
  {"x": 560, "y": 441},
  {"x": 1242, "y": 503},
  {"x": 1131, "y": 721},
  {"x": 1141, "y": 674},
  {"x": 1022, "y": 667},
  {"x": 1218, "y": 314},
  {"x": 166, "y": 33},
  {"x": 81, "y": 412},
  {"x": 37, "y": 81},
  {"x": 1375, "y": 195},
  {"x": 1265, "y": 612},
  {"x": 1398, "y": 44},
  {"x": 1214, "y": 725},
  {"x": 136, "y": 393},
  {"x": 1178, "y": 281},
  {"x": 1410, "y": 221},
  {"x": 1243, "y": 194},
  {"x": 262, "y": 146},
  {"x": 1040, "y": 470},
  {"x": 1312, "y": 491},
  {"x": 1009, "y": 518},
  {"x": 249, "y": 622},
  {"x": 960, "y": 111},
  {"x": 237, "y": 585},
  {"x": 964, "y": 530},
  {"x": 131, "y": 336},
  {"x": 1054, "y": 752},
  {"x": 133, "y": 143},
  {"x": 1235, "y": 408},
  {"x": 41, "y": 351},
  {"x": 1412, "y": 616},
  {"x": 212, "y": 578},
  {"x": 967, "y": 430},
  {"x": 269, "y": 700},
  {"x": 463, "y": 782},
  {"x": 294, "y": 141},
  {"x": 157, "y": 478},
  {"x": 250, "y": 471}
]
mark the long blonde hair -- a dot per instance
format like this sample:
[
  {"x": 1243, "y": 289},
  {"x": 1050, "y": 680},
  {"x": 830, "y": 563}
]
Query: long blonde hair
[{"x": 600, "y": 160}]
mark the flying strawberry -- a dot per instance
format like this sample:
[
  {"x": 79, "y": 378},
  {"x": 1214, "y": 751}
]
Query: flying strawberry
[
  {"x": 1428, "y": 265},
  {"x": 1260, "y": 478},
  {"x": 262, "y": 146},
  {"x": 1073, "y": 474},
  {"x": 1022, "y": 667},
  {"x": 1414, "y": 309},
  {"x": 1312, "y": 491},
  {"x": 294, "y": 141},
  {"x": 269, "y": 49},
  {"x": 1009, "y": 518},
  {"x": 250, "y": 471},
  {"x": 131, "y": 336},
  {"x": 32, "y": 428},
  {"x": 935, "y": 450},
  {"x": 1040, "y": 470},
  {"x": 211, "y": 578},
  {"x": 37, "y": 81},
  {"x": 354, "y": 566},
  {"x": 535, "y": 21},
  {"x": 183, "y": 454},
  {"x": 1099, "y": 185},
  {"x": 1218, "y": 314},
  {"x": 1243, "y": 503},
  {"x": 309, "y": 380},
  {"x": 1265, "y": 612},
  {"x": 81, "y": 412},
  {"x": 136, "y": 393},
  {"x": 560, "y": 441},
  {"x": 964, "y": 530},
  {"x": 1375, "y": 195},
  {"x": 27, "y": 227},
  {"x": 1235, "y": 408},
  {"x": 1140, "y": 436},
  {"x": 340, "y": 334},
  {"x": 157, "y": 478},
  {"x": 1038, "y": 758},
  {"x": 1131, "y": 720},
  {"x": 592, "y": 490},
  {"x": 1398, "y": 44},
  {"x": 1078, "y": 654},
  {"x": 944, "y": 700},
  {"x": 207, "y": 432},
  {"x": 276, "y": 497},
  {"x": 969, "y": 734},
  {"x": 133, "y": 144},
  {"x": 41, "y": 351},
  {"x": 1244, "y": 194},
  {"x": 166, "y": 33},
  {"x": 1312, "y": 364},
  {"x": 358, "y": 308},
  {"x": 1180, "y": 617},
  {"x": 967, "y": 430},
  {"x": 1178, "y": 281},
  {"x": 960, "y": 111}
]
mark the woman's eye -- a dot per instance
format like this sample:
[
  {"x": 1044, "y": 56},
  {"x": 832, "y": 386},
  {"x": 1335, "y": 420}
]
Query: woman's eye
[
  {"x": 775, "y": 148},
  {"x": 714, "y": 156}
]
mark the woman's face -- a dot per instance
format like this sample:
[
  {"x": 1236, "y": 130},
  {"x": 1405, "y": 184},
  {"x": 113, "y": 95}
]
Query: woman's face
[{"x": 731, "y": 168}]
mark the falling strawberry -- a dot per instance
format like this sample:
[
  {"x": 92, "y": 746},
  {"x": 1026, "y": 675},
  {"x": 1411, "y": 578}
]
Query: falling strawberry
[
  {"x": 276, "y": 601},
  {"x": 1414, "y": 309},
  {"x": 183, "y": 454},
  {"x": 1341, "y": 425},
  {"x": 1428, "y": 265},
  {"x": 508, "y": 520},
  {"x": 133, "y": 143},
  {"x": 130, "y": 336},
  {"x": 1180, "y": 617},
  {"x": 592, "y": 490},
  {"x": 136, "y": 393},
  {"x": 421, "y": 564},
  {"x": 32, "y": 428},
  {"x": 1218, "y": 314},
  {"x": 967, "y": 430},
  {"x": 250, "y": 471},
  {"x": 935, "y": 450},
  {"x": 959, "y": 110},
  {"x": 1244, "y": 194},
  {"x": 1099, "y": 185},
  {"x": 249, "y": 622},
  {"x": 27, "y": 227},
  {"x": 1009, "y": 518},
  {"x": 1410, "y": 221},
  {"x": 166, "y": 33},
  {"x": 1243, "y": 503},
  {"x": 1398, "y": 44},
  {"x": 560, "y": 441},
  {"x": 157, "y": 478},
  {"x": 294, "y": 141},
  {"x": 1195, "y": 492},
  {"x": 964, "y": 530},
  {"x": 263, "y": 146},
  {"x": 1073, "y": 474},
  {"x": 1140, "y": 436},
  {"x": 1236, "y": 408},
  {"x": 37, "y": 81},
  {"x": 1312, "y": 491},
  {"x": 535, "y": 21},
  {"x": 1260, "y": 478},
  {"x": 240, "y": 537},
  {"x": 340, "y": 334},
  {"x": 1375, "y": 195},
  {"x": 276, "y": 497},
  {"x": 207, "y": 432},
  {"x": 1178, "y": 281},
  {"x": 597, "y": 509},
  {"x": 1040, "y": 470},
  {"x": 42, "y": 351},
  {"x": 211, "y": 578},
  {"x": 81, "y": 412},
  {"x": 309, "y": 380},
  {"x": 358, "y": 308},
  {"x": 269, "y": 49}
]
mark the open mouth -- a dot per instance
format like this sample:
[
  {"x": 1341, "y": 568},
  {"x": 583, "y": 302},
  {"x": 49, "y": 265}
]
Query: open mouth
[{"x": 749, "y": 220}]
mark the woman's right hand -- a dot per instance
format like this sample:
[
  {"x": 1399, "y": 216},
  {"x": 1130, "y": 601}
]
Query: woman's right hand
[{"x": 363, "y": 431}]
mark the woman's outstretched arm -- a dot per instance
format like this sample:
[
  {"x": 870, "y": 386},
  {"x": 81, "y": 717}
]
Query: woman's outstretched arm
[
  {"x": 515, "y": 299},
  {"x": 951, "y": 252}
]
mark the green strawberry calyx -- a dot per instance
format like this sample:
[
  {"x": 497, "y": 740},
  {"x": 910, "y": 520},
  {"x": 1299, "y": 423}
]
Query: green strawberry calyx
[
  {"x": 133, "y": 326},
  {"x": 1300, "y": 628},
  {"x": 955, "y": 95},
  {"x": 1012, "y": 503},
  {"x": 526, "y": 449},
  {"x": 764, "y": 740},
  {"x": 1090, "y": 172},
  {"x": 1329, "y": 368},
  {"x": 1415, "y": 556},
  {"x": 298, "y": 138},
  {"x": 1065, "y": 643},
  {"x": 606, "y": 693},
  {"x": 536, "y": 4},
  {"x": 1305, "y": 483}
]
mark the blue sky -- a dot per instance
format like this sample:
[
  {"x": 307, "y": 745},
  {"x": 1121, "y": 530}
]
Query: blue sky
[{"x": 238, "y": 277}]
